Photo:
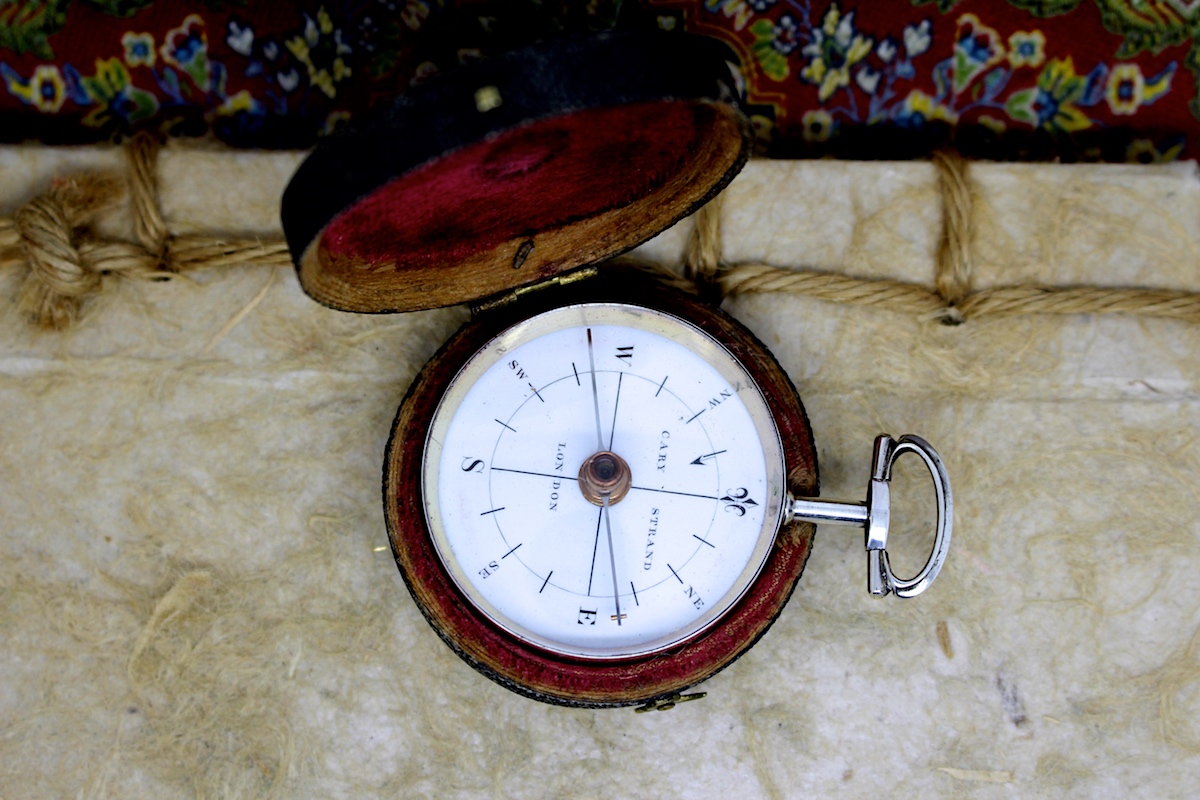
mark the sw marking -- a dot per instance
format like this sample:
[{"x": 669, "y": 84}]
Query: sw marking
[{"x": 515, "y": 366}]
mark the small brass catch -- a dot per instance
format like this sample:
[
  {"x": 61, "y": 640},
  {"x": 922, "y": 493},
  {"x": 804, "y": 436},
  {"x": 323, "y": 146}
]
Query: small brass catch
[
  {"x": 522, "y": 253},
  {"x": 487, "y": 98},
  {"x": 668, "y": 702}
]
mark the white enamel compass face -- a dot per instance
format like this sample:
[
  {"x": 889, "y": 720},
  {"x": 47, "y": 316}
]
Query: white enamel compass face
[{"x": 603, "y": 480}]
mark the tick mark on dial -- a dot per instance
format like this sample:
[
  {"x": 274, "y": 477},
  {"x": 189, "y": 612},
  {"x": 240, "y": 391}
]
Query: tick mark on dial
[
  {"x": 698, "y": 413},
  {"x": 667, "y": 491},
  {"x": 524, "y": 472},
  {"x": 493, "y": 511},
  {"x": 613, "y": 430},
  {"x": 694, "y": 536},
  {"x": 576, "y": 371},
  {"x": 535, "y": 391},
  {"x": 511, "y": 428},
  {"x": 664, "y": 383},
  {"x": 545, "y": 581},
  {"x": 595, "y": 547},
  {"x": 673, "y": 572},
  {"x": 510, "y": 552},
  {"x": 635, "y": 599}
]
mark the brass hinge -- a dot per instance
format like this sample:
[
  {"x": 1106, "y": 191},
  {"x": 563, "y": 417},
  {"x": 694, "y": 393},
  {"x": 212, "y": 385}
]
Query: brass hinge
[{"x": 516, "y": 294}]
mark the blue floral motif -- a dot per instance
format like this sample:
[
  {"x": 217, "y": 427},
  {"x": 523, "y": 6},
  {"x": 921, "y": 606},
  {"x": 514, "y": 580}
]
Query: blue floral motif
[
  {"x": 186, "y": 47},
  {"x": 787, "y": 35}
]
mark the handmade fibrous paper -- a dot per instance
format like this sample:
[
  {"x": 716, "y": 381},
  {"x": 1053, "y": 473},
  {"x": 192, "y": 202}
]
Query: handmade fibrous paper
[{"x": 197, "y": 597}]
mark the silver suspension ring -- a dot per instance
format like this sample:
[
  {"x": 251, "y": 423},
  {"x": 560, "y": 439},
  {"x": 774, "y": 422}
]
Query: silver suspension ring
[{"x": 874, "y": 515}]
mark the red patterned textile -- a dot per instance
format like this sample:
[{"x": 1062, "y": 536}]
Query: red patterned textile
[{"x": 1112, "y": 80}]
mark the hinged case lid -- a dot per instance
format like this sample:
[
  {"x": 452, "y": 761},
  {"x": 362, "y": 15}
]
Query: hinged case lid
[{"x": 510, "y": 171}]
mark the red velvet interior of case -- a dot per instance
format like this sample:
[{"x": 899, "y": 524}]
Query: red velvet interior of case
[{"x": 534, "y": 178}]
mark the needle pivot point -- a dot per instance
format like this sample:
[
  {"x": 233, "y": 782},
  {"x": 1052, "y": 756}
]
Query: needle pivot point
[{"x": 604, "y": 473}]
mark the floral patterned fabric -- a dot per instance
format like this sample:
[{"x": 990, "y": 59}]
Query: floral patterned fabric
[{"x": 1111, "y": 80}]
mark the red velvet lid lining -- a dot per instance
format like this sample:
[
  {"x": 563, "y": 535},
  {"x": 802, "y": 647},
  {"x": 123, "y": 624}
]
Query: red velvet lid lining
[{"x": 521, "y": 182}]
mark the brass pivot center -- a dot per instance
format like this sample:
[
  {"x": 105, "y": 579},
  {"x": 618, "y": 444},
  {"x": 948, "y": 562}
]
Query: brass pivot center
[{"x": 604, "y": 473}]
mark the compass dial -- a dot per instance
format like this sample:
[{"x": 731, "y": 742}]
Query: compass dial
[{"x": 603, "y": 480}]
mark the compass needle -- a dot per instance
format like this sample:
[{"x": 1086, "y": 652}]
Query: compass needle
[
  {"x": 612, "y": 560},
  {"x": 595, "y": 391}
]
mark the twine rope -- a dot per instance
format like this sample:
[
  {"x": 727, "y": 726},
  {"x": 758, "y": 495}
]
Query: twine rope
[{"x": 67, "y": 261}]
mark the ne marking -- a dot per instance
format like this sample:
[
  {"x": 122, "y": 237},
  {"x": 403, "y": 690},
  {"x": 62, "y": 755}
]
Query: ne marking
[{"x": 514, "y": 430}]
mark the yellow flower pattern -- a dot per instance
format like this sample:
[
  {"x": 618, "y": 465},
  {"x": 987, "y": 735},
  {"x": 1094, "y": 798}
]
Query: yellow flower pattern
[
  {"x": 836, "y": 47},
  {"x": 320, "y": 49}
]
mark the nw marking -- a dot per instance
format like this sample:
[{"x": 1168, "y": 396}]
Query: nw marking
[{"x": 725, "y": 394}]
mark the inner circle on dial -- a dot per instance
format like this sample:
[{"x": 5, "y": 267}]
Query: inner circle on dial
[
  {"x": 689, "y": 459},
  {"x": 605, "y": 473}
]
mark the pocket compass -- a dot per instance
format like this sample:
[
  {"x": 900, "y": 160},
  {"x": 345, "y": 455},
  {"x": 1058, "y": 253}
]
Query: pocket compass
[{"x": 601, "y": 490}]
